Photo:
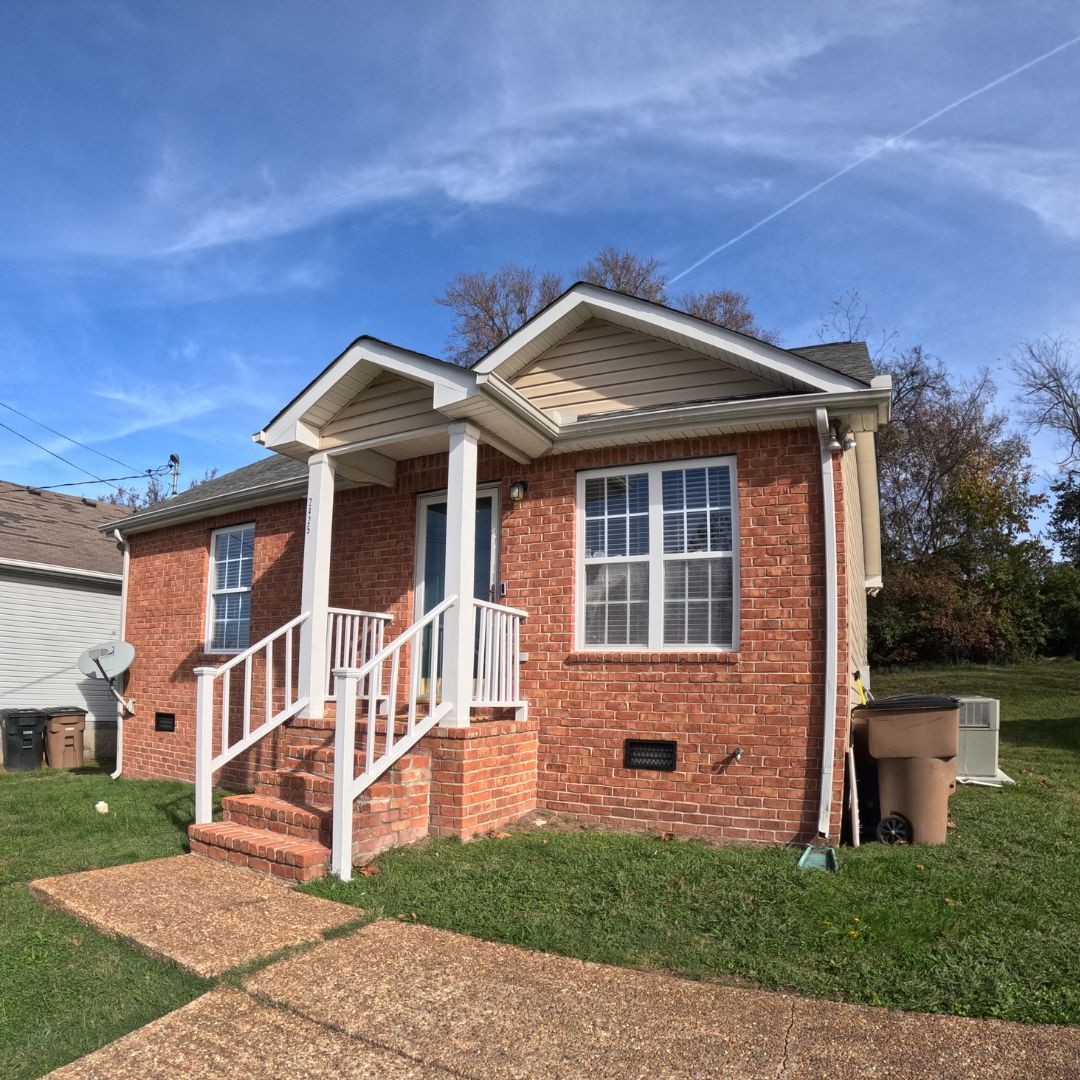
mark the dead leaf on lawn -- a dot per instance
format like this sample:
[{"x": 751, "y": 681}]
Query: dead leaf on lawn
[
  {"x": 501, "y": 835},
  {"x": 369, "y": 871},
  {"x": 950, "y": 825},
  {"x": 951, "y": 903},
  {"x": 74, "y": 941}
]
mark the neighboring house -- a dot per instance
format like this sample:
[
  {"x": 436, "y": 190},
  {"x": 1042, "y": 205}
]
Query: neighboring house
[
  {"x": 625, "y": 556},
  {"x": 60, "y": 586}
]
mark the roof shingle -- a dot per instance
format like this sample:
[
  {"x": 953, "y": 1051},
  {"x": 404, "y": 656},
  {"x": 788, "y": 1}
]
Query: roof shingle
[{"x": 57, "y": 530}]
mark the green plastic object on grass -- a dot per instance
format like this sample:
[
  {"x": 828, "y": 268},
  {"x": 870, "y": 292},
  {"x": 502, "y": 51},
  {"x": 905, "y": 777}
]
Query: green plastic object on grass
[{"x": 819, "y": 857}]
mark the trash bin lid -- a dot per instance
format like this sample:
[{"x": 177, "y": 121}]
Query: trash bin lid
[
  {"x": 21, "y": 714},
  {"x": 912, "y": 703},
  {"x": 65, "y": 710}
]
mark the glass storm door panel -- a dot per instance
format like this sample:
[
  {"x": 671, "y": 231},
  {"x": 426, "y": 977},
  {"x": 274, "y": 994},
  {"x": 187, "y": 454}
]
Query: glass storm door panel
[{"x": 432, "y": 559}]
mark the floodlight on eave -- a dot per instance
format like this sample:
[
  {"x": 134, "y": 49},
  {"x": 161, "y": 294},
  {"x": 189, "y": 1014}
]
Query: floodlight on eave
[{"x": 642, "y": 316}]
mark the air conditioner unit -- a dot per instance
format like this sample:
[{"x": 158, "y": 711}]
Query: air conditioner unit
[{"x": 980, "y": 721}]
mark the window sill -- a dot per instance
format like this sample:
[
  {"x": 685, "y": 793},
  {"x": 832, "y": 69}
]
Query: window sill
[{"x": 672, "y": 656}]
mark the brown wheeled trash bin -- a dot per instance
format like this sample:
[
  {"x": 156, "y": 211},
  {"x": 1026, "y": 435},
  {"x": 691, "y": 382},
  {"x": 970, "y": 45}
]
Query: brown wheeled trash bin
[
  {"x": 65, "y": 728},
  {"x": 915, "y": 739}
]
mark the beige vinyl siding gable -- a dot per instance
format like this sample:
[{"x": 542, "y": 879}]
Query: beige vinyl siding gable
[
  {"x": 605, "y": 368},
  {"x": 391, "y": 405}
]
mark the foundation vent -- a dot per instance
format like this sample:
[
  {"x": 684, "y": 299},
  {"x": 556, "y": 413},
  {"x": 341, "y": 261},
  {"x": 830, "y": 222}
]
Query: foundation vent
[{"x": 655, "y": 754}]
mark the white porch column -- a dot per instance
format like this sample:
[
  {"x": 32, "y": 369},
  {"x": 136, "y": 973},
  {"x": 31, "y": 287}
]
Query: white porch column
[
  {"x": 457, "y": 667},
  {"x": 315, "y": 595}
]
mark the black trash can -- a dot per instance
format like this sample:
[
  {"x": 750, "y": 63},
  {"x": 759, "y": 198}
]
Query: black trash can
[{"x": 24, "y": 738}]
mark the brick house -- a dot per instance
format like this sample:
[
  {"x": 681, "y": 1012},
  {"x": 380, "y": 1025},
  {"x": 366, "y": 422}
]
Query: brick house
[{"x": 617, "y": 569}]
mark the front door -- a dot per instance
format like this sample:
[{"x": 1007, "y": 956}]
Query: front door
[{"x": 431, "y": 556}]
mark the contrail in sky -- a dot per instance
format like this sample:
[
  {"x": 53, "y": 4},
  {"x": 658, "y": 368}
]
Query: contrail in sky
[{"x": 891, "y": 141}]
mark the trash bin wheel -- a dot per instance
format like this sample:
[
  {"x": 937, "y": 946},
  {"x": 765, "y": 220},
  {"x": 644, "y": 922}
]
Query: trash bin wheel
[{"x": 894, "y": 829}]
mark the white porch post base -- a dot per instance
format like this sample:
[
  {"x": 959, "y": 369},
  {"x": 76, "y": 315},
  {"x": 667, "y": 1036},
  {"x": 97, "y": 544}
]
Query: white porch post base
[
  {"x": 457, "y": 671},
  {"x": 315, "y": 595},
  {"x": 204, "y": 738}
]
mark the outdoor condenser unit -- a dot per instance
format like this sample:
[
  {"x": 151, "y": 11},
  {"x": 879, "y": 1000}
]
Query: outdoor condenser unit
[{"x": 980, "y": 721}]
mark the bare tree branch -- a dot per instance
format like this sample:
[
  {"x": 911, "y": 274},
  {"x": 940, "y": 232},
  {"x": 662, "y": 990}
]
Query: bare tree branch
[{"x": 1049, "y": 378}]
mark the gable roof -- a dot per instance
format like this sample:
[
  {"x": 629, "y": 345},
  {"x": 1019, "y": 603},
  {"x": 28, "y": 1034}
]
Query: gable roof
[
  {"x": 583, "y": 301},
  {"x": 45, "y": 528}
]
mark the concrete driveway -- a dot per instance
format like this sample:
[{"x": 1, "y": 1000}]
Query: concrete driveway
[{"x": 400, "y": 1000}]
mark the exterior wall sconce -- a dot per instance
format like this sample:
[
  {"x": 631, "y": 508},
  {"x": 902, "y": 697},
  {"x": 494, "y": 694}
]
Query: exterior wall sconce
[
  {"x": 518, "y": 490},
  {"x": 834, "y": 444},
  {"x": 849, "y": 439}
]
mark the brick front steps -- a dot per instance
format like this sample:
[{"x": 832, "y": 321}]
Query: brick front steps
[
  {"x": 265, "y": 852},
  {"x": 284, "y": 828}
]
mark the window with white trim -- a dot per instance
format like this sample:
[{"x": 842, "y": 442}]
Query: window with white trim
[
  {"x": 229, "y": 615},
  {"x": 658, "y": 556}
]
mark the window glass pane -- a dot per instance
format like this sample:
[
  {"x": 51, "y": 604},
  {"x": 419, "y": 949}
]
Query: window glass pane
[
  {"x": 639, "y": 535},
  {"x": 674, "y": 533},
  {"x": 616, "y": 495},
  {"x": 697, "y": 531},
  {"x": 594, "y": 624},
  {"x": 638, "y": 628},
  {"x": 639, "y": 493},
  {"x": 594, "y": 539},
  {"x": 616, "y": 582},
  {"x": 616, "y": 536},
  {"x": 722, "y": 623},
  {"x": 697, "y": 602},
  {"x": 674, "y": 624},
  {"x": 696, "y": 493},
  {"x": 594, "y": 498},
  {"x": 616, "y": 624},
  {"x": 595, "y": 583},
  {"x": 719, "y": 486},
  {"x": 673, "y": 490},
  {"x": 720, "y": 530},
  {"x": 638, "y": 581}
]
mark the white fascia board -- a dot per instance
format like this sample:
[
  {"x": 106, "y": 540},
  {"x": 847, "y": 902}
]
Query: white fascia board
[
  {"x": 508, "y": 398},
  {"x": 614, "y": 307},
  {"x": 443, "y": 377},
  {"x": 71, "y": 573},
  {"x": 794, "y": 407}
]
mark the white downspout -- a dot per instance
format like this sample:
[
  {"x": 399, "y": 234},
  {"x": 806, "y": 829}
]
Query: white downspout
[
  {"x": 828, "y": 505},
  {"x": 125, "y": 548}
]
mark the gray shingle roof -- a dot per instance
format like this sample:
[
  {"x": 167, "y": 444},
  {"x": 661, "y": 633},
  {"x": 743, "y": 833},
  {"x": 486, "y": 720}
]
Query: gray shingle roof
[
  {"x": 273, "y": 471},
  {"x": 851, "y": 358},
  {"x": 57, "y": 530}
]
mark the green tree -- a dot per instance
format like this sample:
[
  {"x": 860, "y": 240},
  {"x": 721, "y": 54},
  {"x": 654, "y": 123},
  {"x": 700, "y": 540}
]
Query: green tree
[{"x": 961, "y": 573}]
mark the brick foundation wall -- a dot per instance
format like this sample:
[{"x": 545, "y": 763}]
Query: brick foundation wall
[
  {"x": 766, "y": 698},
  {"x": 482, "y": 776}
]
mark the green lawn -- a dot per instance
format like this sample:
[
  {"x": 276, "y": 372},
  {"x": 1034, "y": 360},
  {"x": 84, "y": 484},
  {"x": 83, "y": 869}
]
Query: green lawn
[
  {"x": 988, "y": 925},
  {"x": 64, "y": 989}
]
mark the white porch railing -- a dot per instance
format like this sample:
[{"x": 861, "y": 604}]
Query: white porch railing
[
  {"x": 352, "y": 639},
  {"x": 498, "y": 653},
  {"x": 382, "y": 675},
  {"x": 260, "y": 695}
]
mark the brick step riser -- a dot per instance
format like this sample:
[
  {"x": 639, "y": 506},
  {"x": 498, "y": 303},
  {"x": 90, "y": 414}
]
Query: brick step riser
[{"x": 288, "y": 858}]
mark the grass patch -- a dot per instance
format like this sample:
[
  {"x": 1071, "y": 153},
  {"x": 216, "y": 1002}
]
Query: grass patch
[
  {"x": 67, "y": 989},
  {"x": 987, "y": 925}
]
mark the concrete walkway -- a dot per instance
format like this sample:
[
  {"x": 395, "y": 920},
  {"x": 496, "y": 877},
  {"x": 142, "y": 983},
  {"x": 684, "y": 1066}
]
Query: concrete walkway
[
  {"x": 399, "y": 1000},
  {"x": 204, "y": 916}
]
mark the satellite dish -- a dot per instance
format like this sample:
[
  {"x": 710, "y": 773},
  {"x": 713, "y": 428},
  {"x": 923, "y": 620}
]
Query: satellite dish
[{"x": 107, "y": 661}]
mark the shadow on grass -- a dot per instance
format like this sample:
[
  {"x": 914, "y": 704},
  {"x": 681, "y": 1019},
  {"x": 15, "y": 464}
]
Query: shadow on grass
[{"x": 1058, "y": 733}]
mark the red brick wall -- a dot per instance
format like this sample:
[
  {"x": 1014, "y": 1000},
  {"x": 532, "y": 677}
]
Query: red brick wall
[{"x": 767, "y": 698}]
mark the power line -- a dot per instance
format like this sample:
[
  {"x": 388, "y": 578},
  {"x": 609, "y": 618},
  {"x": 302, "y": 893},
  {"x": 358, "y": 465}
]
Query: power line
[
  {"x": 159, "y": 471},
  {"x": 11, "y": 408},
  {"x": 58, "y": 456},
  {"x": 891, "y": 141}
]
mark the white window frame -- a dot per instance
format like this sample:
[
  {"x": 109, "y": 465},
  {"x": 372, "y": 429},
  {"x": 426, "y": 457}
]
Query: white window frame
[
  {"x": 656, "y": 557},
  {"x": 212, "y": 594}
]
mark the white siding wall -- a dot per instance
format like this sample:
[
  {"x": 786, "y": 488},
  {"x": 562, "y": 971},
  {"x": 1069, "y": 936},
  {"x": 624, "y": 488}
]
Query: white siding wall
[{"x": 44, "y": 625}]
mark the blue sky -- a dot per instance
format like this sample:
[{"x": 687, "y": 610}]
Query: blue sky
[{"x": 201, "y": 204}]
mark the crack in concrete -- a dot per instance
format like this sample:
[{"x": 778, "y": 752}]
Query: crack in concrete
[{"x": 787, "y": 1041}]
